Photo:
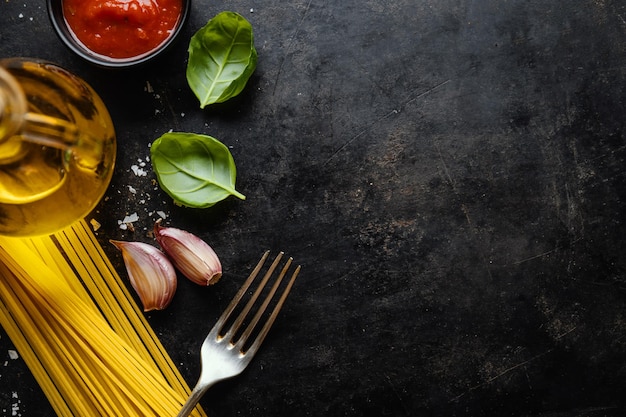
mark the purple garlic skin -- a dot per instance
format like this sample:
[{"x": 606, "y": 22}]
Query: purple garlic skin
[
  {"x": 151, "y": 273},
  {"x": 193, "y": 257}
]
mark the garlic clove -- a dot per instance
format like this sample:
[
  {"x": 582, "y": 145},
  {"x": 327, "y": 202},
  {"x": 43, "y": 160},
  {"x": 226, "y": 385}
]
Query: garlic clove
[
  {"x": 151, "y": 273},
  {"x": 193, "y": 257}
]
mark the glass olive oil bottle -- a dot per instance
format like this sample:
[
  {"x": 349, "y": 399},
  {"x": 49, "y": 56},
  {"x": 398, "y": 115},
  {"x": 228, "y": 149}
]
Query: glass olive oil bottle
[{"x": 57, "y": 148}]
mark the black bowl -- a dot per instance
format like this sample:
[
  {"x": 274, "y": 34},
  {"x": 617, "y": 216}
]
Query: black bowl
[{"x": 55, "y": 11}]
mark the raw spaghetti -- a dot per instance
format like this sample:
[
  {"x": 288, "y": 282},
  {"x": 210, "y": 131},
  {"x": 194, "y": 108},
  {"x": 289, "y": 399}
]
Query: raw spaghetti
[{"x": 72, "y": 319}]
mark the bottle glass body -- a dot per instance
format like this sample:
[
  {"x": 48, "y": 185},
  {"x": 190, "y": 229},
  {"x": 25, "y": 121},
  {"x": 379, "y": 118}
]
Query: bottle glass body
[{"x": 57, "y": 158}]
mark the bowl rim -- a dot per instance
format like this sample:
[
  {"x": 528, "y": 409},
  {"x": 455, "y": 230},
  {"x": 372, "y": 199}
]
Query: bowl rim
[{"x": 63, "y": 31}]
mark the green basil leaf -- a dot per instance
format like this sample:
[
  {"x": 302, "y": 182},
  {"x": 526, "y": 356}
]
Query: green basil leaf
[
  {"x": 222, "y": 58},
  {"x": 195, "y": 170}
]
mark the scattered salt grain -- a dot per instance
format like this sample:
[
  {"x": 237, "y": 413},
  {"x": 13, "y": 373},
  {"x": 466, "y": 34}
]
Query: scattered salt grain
[
  {"x": 13, "y": 354},
  {"x": 130, "y": 219},
  {"x": 132, "y": 189},
  {"x": 15, "y": 406},
  {"x": 140, "y": 172},
  {"x": 127, "y": 223},
  {"x": 162, "y": 214}
]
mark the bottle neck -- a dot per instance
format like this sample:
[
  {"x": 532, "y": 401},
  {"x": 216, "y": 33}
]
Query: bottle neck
[
  {"x": 12, "y": 106},
  {"x": 17, "y": 125}
]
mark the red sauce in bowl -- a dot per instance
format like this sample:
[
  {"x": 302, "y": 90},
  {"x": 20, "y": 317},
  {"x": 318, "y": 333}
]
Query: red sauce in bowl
[{"x": 122, "y": 28}]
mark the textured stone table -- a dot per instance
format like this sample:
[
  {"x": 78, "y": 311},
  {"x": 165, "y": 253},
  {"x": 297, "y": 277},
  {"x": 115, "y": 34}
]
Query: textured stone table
[{"x": 451, "y": 176}]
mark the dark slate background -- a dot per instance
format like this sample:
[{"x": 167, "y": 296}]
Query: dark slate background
[{"x": 449, "y": 173}]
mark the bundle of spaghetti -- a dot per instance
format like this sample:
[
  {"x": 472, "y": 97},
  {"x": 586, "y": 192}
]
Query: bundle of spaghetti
[
  {"x": 100, "y": 277},
  {"x": 78, "y": 329}
]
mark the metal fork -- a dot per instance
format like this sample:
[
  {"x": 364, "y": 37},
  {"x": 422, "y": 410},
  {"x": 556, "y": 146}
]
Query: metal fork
[{"x": 225, "y": 353}]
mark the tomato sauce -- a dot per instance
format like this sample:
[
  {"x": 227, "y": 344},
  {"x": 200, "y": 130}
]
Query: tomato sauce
[{"x": 122, "y": 28}]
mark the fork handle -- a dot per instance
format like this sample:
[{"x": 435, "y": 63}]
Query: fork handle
[{"x": 197, "y": 393}]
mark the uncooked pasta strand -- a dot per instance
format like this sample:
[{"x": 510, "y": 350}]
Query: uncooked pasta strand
[
  {"x": 20, "y": 340},
  {"x": 70, "y": 319},
  {"x": 87, "y": 273},
  {"x": 19, "y": 304},
  {"x": 55, "y": 304},
  {"x": 135, "y": 316}
]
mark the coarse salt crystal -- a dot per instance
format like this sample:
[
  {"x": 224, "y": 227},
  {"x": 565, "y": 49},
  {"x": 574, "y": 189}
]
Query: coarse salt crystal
[
  {"x": 138, "y": 171},
  {"x": 15, "y": 406},
  {"x": 130, "y": 219}
]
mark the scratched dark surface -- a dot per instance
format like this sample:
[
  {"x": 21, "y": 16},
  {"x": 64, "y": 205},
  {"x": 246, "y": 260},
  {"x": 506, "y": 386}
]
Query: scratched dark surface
[{"x": 449, "y": 173}]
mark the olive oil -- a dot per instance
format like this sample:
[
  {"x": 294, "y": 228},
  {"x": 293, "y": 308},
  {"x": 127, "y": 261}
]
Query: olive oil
[{"x": 56, "y": 160}]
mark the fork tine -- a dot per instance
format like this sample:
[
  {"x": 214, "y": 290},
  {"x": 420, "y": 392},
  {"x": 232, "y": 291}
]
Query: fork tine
[
  {"x": 219, "y": 358},
  {"x": 244, "y": 336},
  {"x": 244, "y": 313},
  {"x": 232, "y": 331},
  {"x": 219, "y": 325},
  {"x": 241, "y": 339},
  {"x": 261, "y": 336}
]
